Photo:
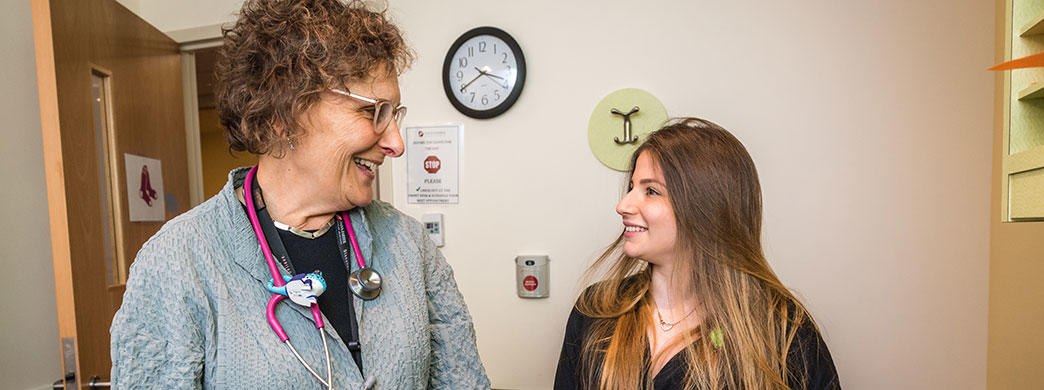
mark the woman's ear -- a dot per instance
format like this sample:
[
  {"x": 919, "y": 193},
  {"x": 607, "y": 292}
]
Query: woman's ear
[
  {"x": 284, "y": 141},
  {"x": 279, "y": 127}
]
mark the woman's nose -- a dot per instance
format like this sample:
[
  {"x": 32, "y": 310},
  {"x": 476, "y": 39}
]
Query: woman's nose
[
  {"x": 391, "y": 141},
  {"x": 625, "y": 207}
]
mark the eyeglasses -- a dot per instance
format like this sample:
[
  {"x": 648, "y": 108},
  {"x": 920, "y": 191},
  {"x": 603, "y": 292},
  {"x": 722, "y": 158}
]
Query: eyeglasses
[{"x": 383, "y": 111}]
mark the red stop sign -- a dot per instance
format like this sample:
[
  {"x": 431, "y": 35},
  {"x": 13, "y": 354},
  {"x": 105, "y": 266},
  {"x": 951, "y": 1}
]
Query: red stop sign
[
  {"x": 529, "y": 283},
  {"x": 432, "y": 164}
]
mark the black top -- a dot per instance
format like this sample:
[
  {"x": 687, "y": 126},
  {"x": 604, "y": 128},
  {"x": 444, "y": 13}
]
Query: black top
[
  {"x": 322, "y": 254},
  {"x": 306, "y": 255},
  {"x": 808, "y": 362}
]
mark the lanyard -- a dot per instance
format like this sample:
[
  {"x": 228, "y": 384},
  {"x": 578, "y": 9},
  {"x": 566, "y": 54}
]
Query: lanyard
[{"x": 275, "y": 244}]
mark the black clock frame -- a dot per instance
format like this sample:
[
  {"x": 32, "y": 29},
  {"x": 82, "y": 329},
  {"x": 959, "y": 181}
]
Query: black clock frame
[{"x": 516, "y": 90}]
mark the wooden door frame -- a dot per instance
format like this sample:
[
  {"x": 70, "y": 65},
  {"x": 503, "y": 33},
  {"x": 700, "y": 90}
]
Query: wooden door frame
[
  {"x": 58, "y": 65},
  {"x": 54, "y": 175}
]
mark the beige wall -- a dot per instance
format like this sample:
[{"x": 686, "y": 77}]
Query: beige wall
[
  {"x": 28, "y": 329},
  {"x": 1016, "y": 314},
  {"x": 869, "y": 121}
]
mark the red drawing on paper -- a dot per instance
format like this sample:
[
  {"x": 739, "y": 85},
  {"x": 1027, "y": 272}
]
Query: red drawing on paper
[{"x": 147, "y": 193}]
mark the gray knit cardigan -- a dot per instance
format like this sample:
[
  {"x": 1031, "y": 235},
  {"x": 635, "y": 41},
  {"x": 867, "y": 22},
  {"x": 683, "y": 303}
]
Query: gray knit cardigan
[{"x": 193, "y": 314}]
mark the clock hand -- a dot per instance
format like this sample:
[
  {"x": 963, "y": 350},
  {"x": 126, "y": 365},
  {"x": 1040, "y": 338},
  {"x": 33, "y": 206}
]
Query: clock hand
[
  {"x": 472, "y": 81},
  {"x": 504, "y": 85},
  {"x": 493, "y": 75},
  {"x": 486, "y": 72}
]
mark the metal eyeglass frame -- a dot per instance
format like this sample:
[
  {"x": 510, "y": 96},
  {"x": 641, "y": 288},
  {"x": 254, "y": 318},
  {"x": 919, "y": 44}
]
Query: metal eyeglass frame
[{"x": 397, "y": 113}]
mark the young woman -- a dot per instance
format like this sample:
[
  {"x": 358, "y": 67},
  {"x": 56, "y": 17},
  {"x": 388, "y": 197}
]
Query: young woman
[{"x": 688, "y": 300}]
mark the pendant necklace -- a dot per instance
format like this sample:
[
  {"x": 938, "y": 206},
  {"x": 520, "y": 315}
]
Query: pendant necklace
[{"x": 667, "y": 326}]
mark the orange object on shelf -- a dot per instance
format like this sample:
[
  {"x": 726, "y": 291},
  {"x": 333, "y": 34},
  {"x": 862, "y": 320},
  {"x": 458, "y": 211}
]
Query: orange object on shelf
[{"x": 1030, "y": 61}]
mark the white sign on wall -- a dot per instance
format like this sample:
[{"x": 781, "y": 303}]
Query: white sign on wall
[
  {"x": 433, "y": 164},
  {"x": 144, "y": 188}
]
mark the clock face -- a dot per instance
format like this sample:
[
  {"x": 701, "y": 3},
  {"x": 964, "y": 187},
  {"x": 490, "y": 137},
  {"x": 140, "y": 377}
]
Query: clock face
[{"x": 484, "y": 72}]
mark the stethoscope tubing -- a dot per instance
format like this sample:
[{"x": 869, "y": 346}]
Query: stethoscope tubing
[
  {"x": 277, "y": 277},
  {"x": 277, "y": 281},
  {"x": 248, "y": 197},
  {"x": 354, "y": 242}
]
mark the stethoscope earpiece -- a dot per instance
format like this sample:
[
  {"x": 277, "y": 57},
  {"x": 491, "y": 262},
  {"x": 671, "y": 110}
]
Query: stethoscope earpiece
[{"x": 365, "y": 283}]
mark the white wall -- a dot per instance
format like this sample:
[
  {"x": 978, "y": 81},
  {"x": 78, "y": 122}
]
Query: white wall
[
  {"x": 28, "y": 324},
  {"x": 167, "y": 15},
  {"x": 870, "y": 123}
]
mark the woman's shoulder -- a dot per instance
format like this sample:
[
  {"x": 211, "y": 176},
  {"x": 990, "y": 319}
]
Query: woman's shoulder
[
  {"x": 619, "y": 286},
  {"x": 809, "y": 361},
  {"x": 626, "y": 282},
  {"x": 581, "y": 320},
  {"x": 201, "y": 227}
]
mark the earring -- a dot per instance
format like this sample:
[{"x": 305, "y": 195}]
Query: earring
[{"x": 290, "y": 141}]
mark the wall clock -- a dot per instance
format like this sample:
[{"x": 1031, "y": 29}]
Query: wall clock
[{"x": 484, "y": 72}]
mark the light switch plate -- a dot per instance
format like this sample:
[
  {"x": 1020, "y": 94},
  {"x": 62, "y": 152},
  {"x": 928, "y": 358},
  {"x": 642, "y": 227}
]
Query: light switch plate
[{"x": 434, "y": 227}]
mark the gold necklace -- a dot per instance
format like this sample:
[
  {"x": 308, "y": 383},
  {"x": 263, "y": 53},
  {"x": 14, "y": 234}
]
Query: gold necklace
[{"x": 667, "y": 326}]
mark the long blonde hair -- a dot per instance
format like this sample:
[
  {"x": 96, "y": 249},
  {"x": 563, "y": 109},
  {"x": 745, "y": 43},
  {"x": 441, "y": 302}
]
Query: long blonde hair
[{"x": 713, "y": 188}]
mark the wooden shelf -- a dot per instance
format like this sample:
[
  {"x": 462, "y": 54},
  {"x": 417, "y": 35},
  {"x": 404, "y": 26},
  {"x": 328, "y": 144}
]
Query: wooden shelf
[
  {"x": 1034, "y": 91},
  {"x": 1034, "y": 27},
  {"x": 1024, "y": 161}
]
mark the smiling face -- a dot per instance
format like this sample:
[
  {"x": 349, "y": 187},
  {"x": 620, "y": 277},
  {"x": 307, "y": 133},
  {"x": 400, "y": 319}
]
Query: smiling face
[
  {"x": 650, "y": 230},
  {"x": 340, "y": 150}
]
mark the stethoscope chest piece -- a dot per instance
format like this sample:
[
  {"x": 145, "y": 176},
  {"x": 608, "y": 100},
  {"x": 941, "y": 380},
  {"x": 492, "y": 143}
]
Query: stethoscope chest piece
[{"x": 365, "y": 283}]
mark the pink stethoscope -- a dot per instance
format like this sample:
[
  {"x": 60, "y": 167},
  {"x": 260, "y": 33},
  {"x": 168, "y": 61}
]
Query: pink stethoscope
[{"x": 364, "y": 283}]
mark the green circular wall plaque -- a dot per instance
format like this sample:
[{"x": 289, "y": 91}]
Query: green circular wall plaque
[{"x": 621, "y": 122}]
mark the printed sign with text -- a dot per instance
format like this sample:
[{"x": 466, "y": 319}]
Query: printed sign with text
[{"x": 433, "y": 164}]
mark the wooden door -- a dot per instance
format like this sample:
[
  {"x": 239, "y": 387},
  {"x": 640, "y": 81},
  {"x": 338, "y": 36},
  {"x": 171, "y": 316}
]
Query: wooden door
[{"x": 110, "y": 85}]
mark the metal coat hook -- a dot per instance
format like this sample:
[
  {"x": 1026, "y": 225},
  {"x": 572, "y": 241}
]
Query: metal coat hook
[{"x": 627, "y": 126}]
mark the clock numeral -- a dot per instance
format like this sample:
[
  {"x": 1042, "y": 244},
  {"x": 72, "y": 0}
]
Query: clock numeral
[
  {"x": 496, "y": 94},
  {"x": 460, "y": 75},
  {"x": 472, "y": 97},
  {"x": 485, "y": 100},
  {"x": 482, "y": 47},
  {"x": 494, "y": 48},
  {"x": 505, "y": 59},
  {"x": 463, "y": 61},
  {"x": 471, "y": 51}
]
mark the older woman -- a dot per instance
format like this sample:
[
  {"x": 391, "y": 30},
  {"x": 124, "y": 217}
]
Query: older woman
[
  {"x": 690, "y": 302},
  {"x": 293, "y": 276}
]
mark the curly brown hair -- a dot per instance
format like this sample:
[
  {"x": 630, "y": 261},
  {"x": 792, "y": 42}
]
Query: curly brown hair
[{"x": 282, "y": 54}]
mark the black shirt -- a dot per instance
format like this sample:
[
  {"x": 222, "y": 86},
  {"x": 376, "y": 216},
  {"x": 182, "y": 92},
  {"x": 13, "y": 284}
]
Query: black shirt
[
  {"x": 808, "y": 362},
  {"x": 323, "y": 254},
  {"x": 309, "y": 255}
]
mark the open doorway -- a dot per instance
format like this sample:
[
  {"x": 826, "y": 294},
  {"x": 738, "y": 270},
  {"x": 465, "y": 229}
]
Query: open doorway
[{"x": 216, "y": 160}]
